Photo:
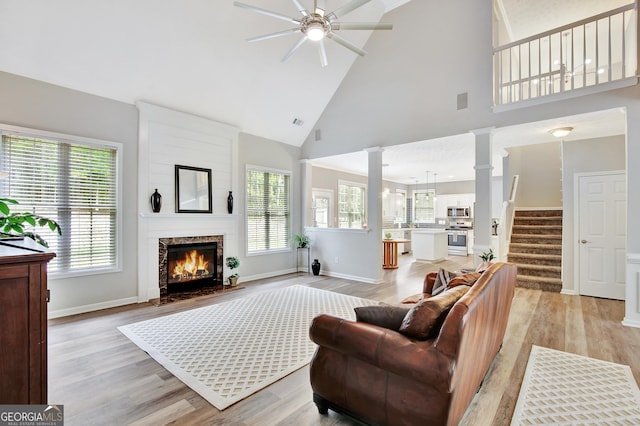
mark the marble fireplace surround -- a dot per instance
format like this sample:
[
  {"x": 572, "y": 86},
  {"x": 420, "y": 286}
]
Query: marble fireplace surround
[{"x": 163, "y": 250}]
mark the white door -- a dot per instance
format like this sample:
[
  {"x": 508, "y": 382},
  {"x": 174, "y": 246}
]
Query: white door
[{"x": 602, "y": 235}]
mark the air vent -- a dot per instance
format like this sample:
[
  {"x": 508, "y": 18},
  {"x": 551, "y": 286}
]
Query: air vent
[
  {"x": 298, "y": 122},
  {"x": 318, "y": 135},
  {"x": 463, "y": 102}
]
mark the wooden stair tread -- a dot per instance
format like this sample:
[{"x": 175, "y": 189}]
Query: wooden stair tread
[{"x": 540, "y": 267}]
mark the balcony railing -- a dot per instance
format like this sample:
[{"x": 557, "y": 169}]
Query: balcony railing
[{"x": 594, "y": 51}]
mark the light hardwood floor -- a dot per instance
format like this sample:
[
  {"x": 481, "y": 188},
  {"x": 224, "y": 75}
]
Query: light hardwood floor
[{"x": 104, "y": 379}]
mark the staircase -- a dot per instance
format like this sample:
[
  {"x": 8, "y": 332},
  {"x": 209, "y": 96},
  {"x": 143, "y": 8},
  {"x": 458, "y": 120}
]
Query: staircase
[{"x": 536, "y": 247}]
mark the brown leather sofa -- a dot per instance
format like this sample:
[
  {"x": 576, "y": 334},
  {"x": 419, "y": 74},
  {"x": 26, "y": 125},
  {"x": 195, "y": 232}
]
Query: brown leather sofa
[{"x": 381, "y": 376}]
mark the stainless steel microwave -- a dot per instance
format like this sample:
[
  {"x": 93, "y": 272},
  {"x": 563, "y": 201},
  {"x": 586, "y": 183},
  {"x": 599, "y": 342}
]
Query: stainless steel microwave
[{"x": 458, "y": 211}]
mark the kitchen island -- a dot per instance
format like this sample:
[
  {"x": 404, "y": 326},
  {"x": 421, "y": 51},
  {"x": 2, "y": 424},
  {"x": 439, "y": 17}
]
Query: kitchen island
[{"x": 429, "y": 245}]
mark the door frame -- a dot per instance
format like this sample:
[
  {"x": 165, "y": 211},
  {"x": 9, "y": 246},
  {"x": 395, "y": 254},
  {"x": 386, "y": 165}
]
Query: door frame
[{"x": 576, "y": 218}]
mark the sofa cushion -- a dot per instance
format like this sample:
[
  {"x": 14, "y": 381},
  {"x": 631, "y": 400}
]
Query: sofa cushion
[
  {"x": 442, "y": 279},
  {"x": 387, "y": 316},
  {"x": 424, "y": 320}
]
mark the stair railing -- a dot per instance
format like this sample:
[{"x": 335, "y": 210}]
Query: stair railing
[
  {"x": 506, "y": 218},
  {"x": 590, "y": 52}
]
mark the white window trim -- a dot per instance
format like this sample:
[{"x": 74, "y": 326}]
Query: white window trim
[
  {"x": 98, "y": 143},
  {"x": 351, "y": 183},
  {"x": 413, "y": 196},
  {"x": 289, "y": 248}
]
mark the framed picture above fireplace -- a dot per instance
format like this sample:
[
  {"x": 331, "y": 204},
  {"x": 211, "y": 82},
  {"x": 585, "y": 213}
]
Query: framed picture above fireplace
[{"x": 193, "y": 190}]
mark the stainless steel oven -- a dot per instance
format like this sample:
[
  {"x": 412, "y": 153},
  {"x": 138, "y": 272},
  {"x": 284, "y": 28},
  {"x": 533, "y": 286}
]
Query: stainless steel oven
[{"x": 457, "y": 242}]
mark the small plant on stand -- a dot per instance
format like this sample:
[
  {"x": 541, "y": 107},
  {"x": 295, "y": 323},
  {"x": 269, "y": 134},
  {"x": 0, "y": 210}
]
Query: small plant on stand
[
  {"x": 487, "y": 256},
  {"x": 302, "y": 241},
  {"x": 232, "y": 263}
]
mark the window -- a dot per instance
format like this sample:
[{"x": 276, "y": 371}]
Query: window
[
  {"x": 268, "y": 210},
  {"x": 351, "y": 205},
  {"x": 423, "y": 206},
  {"x": 73, "y": 183}
]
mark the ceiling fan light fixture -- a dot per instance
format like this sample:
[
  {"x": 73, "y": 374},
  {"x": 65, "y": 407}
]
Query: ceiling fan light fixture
[
  {"x": 315, "y": 31},
  {"x": 561, "y": 132}
]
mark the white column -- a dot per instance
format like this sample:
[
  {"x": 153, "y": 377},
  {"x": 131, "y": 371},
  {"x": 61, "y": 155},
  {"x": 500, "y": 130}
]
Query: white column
[
  {"x": 482, "y": 211},
  {"x": 632, "y": 293},
  {"x": 305, "y": 189},
  {"x": 374, "y": 202}
]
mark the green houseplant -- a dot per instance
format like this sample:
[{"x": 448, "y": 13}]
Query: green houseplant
[
  {"x": 302, "y": 241},
  {"x": 18, "y": 224},
  {"x": 487, "y": 256},
  {"x": 232, "y": 263}
]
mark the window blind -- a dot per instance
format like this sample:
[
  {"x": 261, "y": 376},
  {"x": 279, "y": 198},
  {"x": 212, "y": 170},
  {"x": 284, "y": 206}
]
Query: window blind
[
  {"x": 73, "y": 184},
  {"x": 268, "y": 210},
  {"x": 424, "y": 207}
]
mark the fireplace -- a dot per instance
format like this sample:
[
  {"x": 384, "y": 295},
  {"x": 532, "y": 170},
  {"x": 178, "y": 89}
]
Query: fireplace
[{"x": 189, "y": 266}]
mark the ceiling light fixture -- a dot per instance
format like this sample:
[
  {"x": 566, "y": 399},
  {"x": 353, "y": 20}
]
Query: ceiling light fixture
[
  {"x": 315, "y": 30},
  {"x": 561, "y": 132},
  {"x": 317, "y": 25}
]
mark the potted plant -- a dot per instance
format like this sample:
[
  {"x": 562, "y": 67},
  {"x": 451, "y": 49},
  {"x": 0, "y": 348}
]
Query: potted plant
[
  {"x": 232, "y": 263},
  {"x": 302, "y": 241},
  {"x": 387, "y": 235},
  {"x": 14, "y": 225},
  {"x": 487, "y": 256}
]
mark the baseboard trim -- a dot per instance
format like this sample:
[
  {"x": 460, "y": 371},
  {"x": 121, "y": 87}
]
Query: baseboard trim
[
  {"x": 631, "y": 323},
  {"x": 352, "y": 277},
  {"x": 90, "y": 308},
  {"x": 568, "y": 292}
]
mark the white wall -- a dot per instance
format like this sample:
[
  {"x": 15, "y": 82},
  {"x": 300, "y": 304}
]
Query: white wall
[
  {"x": 169, "y": 138},
  {"x": 33, "y": 104},
  {"x": 539, "y": 167},
  {"x": 258, "y": 151}
]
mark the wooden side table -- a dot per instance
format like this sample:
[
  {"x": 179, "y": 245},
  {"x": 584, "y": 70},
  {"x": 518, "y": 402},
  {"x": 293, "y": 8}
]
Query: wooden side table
[{"x": 390, "y": 248}]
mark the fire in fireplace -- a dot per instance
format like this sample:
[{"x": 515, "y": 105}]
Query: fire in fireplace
[
  {"x": 188, "y": 263},
  {"x": 190, "y": 266}
]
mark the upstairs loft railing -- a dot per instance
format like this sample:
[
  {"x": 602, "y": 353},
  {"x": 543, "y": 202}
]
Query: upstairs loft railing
[{"x": 591, "y": 52}]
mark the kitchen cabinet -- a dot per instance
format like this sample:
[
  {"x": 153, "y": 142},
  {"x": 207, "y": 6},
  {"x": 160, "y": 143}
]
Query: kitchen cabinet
[
  {"x": 470, "y": 241},
  {"x": 429, "y": 244},
  {"x": 23, "y": 315},
  {"x": 393, "y": 206}
]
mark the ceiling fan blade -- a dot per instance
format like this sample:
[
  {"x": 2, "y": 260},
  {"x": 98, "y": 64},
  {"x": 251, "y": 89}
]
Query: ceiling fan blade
[
  {"x": 293, "y": 49},
  {"x": 345, "y": 43},
  {"x": 300, "y": 7},
  {"x": 360, "y": 26},
  {"x": 320, "y": 7},
  {"x": 266, "y": 12},
  {"x": 323, "y": 54},
  {"x": 274, "y": 35},
  {"x": 349, "y": 7}
]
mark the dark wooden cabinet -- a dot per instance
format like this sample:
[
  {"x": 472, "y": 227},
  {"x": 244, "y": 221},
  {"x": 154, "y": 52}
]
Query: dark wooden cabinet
[{"x": 23, "y": 322}]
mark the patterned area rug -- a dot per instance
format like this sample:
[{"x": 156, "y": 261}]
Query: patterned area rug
[
  {"x": 561, "y": 388},
  {"x": 228, "y": 351}
]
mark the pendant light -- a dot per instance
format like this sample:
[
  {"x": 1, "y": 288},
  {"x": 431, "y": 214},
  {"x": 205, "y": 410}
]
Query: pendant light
[{"x": 435, "y": 186}]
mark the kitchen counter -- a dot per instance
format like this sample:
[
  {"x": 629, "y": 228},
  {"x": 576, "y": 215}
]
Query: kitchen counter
[{"x": 429, "y": 244}]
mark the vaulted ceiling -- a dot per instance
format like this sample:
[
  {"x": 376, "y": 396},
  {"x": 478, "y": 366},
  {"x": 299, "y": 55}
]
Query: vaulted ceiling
[
  {"x": 187, "y": 55},
  {"x": 192, "y": 56}
]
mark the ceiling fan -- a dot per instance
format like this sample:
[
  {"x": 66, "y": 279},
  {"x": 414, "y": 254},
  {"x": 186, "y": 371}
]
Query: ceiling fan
[{"x": 317, "y": 25}]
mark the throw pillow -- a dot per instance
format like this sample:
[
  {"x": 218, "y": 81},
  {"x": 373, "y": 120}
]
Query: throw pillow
[
  {"x": 424, "y": 320},
  {"x": 442, "y": 279},
  {"x": 466, "y": 279},
  {"x": 387, "y": 316}
]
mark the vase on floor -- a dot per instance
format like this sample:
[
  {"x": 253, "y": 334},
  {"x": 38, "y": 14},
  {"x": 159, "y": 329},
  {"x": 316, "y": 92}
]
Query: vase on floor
[{"x": 315, "y": 267}]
